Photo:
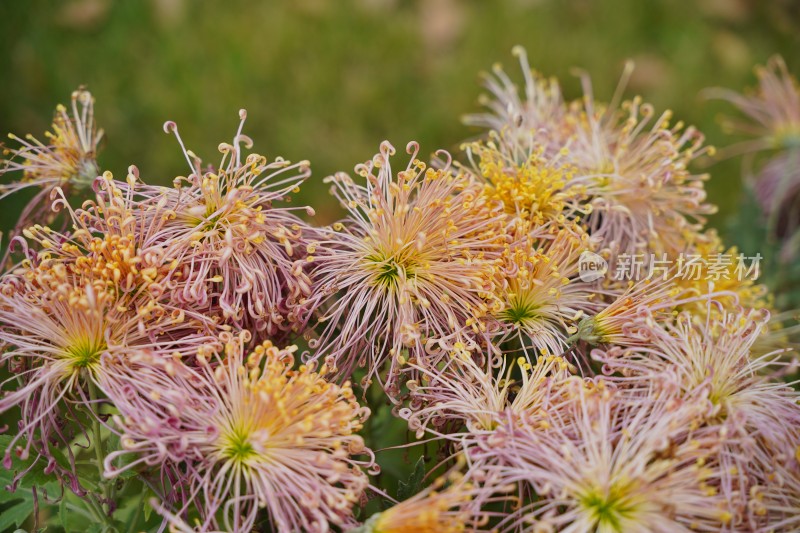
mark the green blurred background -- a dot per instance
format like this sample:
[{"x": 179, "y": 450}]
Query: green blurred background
[{"x": 327, "y": 81}]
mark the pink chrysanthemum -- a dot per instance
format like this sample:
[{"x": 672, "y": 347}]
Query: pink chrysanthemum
[
  {"x": 412, "y": 264},
  {"x": 249, "y": 433},
  {"x": 773, "y": 126},
  {"x": 235, "y": 247},
  {"x": 710, "y": 365},
  {"x": 774, "y": 109},
  {"x": 643, "y": 197},
  {"x": 541, "y": 296},
  {"x": 611, "y": 466},
  {"x": 67, "y": 161},
  {"x": 466, "y": 395},
  {"x": 629, "y": 165},
  {"x": 56, "y": 325},
  {"x": 531, "y": 120},
  {"x": 92, "y": 291},
  {"x": 617, "y": 322}
]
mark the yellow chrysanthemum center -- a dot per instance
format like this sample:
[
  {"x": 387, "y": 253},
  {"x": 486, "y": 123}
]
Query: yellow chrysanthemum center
[{"x": 532, "y": 187}]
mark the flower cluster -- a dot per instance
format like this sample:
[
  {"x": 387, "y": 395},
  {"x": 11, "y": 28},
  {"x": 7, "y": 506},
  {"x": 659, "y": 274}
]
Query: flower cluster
[{"x": 205, "y": 353}]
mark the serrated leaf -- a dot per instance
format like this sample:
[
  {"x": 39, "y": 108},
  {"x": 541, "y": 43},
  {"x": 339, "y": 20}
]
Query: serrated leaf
[
  {"x": 406, "y": 489},
  {"x": 17, "y": 512},
  {"x": 36, "y": 475}
]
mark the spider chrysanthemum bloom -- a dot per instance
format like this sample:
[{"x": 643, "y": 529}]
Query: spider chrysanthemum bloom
[
  {"x": 55, "y": 325},
  {"x": 710, "y": 365},
  {"x": 450, "y": 504},
  {"x": 773, "y": 110},
  {"x": 531, "y": 120},
  {"x": 617, "y": 322},
  {"x": 475, "y": 399},
  {"x": 612, "y": 466},
  {"x": 113, "y": 239},
  {"x": 237, "y": 247},
  {"x": 249, "y": 432},
  {"x": 642, "y": 195},
  {"x": 97, "y": 289},
  {"x": 67, "y": 160},
  {"x": 529, "y": 184},
  {"x": 413, "y": 262},
  {"x": 777, "y": 190},
  {"x": 541, "y": 295}
]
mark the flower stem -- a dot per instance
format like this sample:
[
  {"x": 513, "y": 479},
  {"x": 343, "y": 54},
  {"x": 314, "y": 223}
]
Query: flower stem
[{"x": 99, "y": 455}]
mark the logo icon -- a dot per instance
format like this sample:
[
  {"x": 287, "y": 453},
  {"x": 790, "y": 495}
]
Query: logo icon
[{"x": 591, "y": 266}]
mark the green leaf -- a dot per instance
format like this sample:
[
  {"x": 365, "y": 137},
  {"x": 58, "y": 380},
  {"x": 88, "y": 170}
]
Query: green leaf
[
  {"x": 17, "y": 511},
  {"x": 36, "y": 475},
  {"x": 113, "y": 445},
  {"x": 63, "y": 514},
  {"x": 406, "y": 489},
  {"x": 147, "y": 510}
]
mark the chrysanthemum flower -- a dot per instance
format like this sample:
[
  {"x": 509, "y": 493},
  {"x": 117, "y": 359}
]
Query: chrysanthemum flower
[
  {"x": 447, "y": 505},
  {"x": 643, "y": 197},
  {"x": 112, "y": 240},
  {"x": 68, "y": 160},
  {"x": 777, "y": 190},
  {"x": 235, "y": 247},
  {"x": 616, "y": 323},
  {"x": 541, "y": 294},
  {"x": 248, "y": 431},
  {"x": 481, "y": 398},
  {"x": 531, "y": 120},
  {"x": 774, "y": 109},
  {"x": 630, "y": 165},
  {"x": 94, "y": 290},
  {"x": 612, "y": 466},
  {"x": 774, "y": 124},
  {"x": 413, "y": 263},
  {"x": 710, "y": 365},
  {"x": 530, "y": 186},
  {"x": 56, "y": 326}
]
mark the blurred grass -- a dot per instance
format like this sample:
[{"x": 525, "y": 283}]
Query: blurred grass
[{"x": 327, "y": 81}]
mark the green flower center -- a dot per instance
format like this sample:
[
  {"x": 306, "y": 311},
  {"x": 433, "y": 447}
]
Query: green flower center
[
  {"x": 389, "y": 269},
  {"x": 608, "y": 509},
  {"x": 85, "y": 353},
  {"x": 520, "y": 313},
  {"x": 237, "y": 447}
]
